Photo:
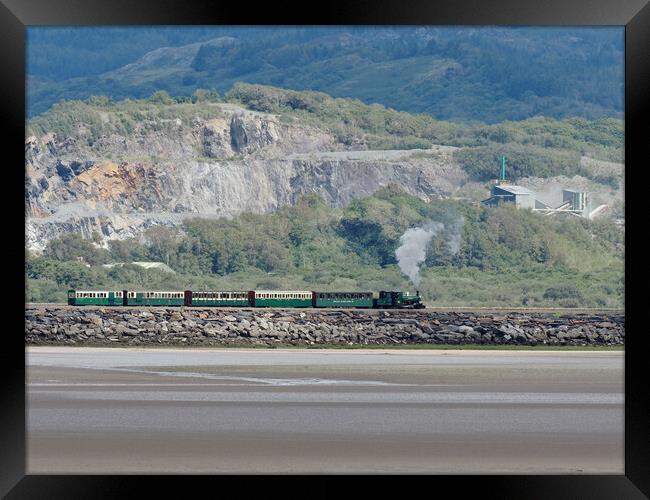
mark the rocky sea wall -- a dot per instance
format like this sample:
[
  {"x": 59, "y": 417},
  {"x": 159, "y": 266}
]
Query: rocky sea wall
[{"x": 61, "y": 325}]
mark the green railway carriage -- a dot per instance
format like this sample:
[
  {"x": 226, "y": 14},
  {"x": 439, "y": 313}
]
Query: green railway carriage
[
  {"x": 276, "y": 298},
  {"x": 176, "y": 298},
  {"x": 95, "y": 297},
  {"x": 343, "y": 299},
  {"x": 220, "y": 299}
]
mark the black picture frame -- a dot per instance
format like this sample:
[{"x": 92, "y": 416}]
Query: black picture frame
[{"x": 15, "y": 15}]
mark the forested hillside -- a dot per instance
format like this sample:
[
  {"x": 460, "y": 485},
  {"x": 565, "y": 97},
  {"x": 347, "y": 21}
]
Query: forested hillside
[
  {"x": 501, "y": 256},
  {"x": 485, "y": 74}
]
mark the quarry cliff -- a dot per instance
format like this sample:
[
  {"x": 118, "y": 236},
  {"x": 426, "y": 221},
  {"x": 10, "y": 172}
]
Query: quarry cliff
[{"x": 103, "y": 173}]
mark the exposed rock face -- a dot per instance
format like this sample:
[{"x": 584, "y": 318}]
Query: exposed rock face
[
  {"x": 237, "y": 160},
  {"x": 209, "y": 326},
  {"x": 248, "y": 135}
]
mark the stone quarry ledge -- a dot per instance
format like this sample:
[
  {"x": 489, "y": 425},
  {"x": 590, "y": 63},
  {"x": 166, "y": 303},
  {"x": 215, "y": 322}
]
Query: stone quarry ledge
[{"x": 64, "y": 325}]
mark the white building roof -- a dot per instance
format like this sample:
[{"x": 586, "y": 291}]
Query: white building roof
[{"x": 518, "y": 190}]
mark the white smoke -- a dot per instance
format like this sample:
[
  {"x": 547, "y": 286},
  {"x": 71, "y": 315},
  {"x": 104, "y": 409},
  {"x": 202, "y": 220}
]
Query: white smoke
[
  {"x": 456, "y": 235},
  {"x": 414, "y": 242},
  {"x": 413, "y": 249}
]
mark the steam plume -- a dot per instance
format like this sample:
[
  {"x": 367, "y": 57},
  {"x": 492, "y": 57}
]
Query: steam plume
[
  {"x": 415, "y": 241},
  {"x": 413, "y": 249}
]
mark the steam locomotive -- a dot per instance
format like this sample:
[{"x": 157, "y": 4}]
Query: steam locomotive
[{"x": 250, "y": 298}]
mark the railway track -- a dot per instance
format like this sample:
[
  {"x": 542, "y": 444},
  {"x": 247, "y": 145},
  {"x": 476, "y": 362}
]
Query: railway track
[{"x": 470, "y": 309}]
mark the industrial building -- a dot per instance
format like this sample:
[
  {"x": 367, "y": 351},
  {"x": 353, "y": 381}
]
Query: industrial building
[
  {"x": 574, "y": 202},
  {"x": 508, "y": 193}
]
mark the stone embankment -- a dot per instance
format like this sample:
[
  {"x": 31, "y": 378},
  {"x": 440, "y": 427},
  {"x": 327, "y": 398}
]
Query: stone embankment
[{"x": 215, "y": 327}]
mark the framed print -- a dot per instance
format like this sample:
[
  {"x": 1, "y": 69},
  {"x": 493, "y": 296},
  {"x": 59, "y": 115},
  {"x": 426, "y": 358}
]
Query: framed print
[{"x": 367, "y": 239}]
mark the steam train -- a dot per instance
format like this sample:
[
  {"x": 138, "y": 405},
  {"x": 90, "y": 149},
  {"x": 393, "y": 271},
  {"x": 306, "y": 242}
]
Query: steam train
[{"x": 250, "y": 298}]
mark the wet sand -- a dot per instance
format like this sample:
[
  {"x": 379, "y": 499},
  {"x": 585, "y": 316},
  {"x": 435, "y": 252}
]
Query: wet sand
[{"x": 223, "y": 410}]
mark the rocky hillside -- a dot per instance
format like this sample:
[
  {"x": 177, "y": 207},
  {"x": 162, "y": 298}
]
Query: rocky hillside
[
  {"x": 99, "y": 172},
  {"x": 118, "y": 168}
]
